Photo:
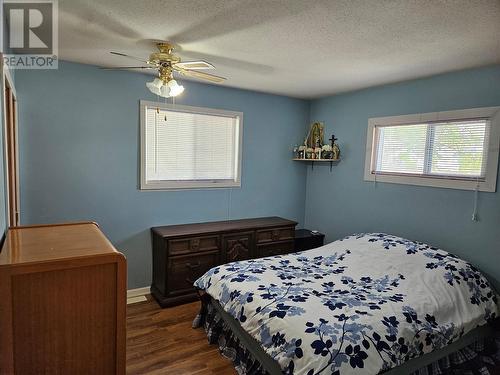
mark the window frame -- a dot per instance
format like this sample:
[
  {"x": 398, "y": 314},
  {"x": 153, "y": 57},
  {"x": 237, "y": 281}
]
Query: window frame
[
  {"x": 188, "y": 184},
  {"x": 487, "y": 184}
]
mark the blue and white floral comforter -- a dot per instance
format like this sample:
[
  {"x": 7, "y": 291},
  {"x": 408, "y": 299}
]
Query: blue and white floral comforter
[{"x": 359, "y": 305}]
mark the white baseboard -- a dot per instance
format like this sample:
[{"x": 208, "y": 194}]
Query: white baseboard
[
  {"x": 132, "y": 300},
  {"x": 138, "y": 292}
]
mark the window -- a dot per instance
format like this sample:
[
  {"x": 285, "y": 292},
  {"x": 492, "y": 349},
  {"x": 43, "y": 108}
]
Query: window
[
  {"x": 189, "y": 147},
  {"x": 455, "y": 149}
]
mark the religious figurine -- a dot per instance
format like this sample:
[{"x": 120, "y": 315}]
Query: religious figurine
[
  {"x": 326, "y": 152},
  {"x": 317, "y": 153},
  {"x": 313, "y": 146},
  {"x": 315, "y": 137},
  {"x": 335, "y": 148},
  {"x": 302, "y": 152},
  {"x": 335, "y": 152}
]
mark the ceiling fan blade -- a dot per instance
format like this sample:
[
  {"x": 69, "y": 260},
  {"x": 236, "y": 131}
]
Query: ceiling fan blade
[
  {"x": 200, "y": 75},
  {"x": 130, "y": 57},
  {"x": 229, "y": 62},
  {"x": 199, "y": 65},
  {"x": 128, "y": 67}
]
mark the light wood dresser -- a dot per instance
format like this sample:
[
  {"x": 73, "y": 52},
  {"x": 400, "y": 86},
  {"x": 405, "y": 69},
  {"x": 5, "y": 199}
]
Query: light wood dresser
[{"x": 62, "y": 301}]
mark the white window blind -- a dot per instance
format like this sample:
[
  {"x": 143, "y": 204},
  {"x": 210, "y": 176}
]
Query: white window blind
[
  {"x": 448, "y": 149},
  {"x": 188, "y": 147}
]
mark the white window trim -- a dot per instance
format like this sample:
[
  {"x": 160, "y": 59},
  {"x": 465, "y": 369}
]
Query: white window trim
[
  {"x": 488, "y": 184},
  {"x": 181, "y": 185}
]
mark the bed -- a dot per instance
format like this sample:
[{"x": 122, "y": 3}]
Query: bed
[{"x": 367, "y": 304}]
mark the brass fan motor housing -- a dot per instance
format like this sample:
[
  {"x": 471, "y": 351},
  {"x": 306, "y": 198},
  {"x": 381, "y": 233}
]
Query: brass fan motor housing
[
  {"x": 165, "y": 73},
  {"x": 164, "y": 57}
]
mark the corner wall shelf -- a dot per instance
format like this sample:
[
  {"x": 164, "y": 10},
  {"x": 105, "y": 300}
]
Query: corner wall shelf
[{"x": 312, "y": 161}]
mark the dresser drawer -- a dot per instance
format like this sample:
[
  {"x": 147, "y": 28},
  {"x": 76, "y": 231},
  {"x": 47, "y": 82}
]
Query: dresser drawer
[
  {"x": 237, "y": 246},
  {"x": 276, "y": 249},
  {"x": 188, "y": 245},
  {"x": 275, "y": 234},
  {"x": 184, "y": 270}
]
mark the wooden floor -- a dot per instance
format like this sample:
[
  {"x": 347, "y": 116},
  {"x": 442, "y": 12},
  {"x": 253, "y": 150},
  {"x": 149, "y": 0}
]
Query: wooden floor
[{"x": 161, "y": 341}]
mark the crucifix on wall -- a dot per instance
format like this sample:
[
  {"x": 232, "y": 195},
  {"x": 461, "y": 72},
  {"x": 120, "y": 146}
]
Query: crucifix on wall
[
  {"x": 332, "y": 140},
  {"x": 335, "y": 147}
]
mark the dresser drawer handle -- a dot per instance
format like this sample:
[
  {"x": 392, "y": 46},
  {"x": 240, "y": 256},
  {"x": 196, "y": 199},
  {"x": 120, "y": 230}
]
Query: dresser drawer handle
[
  {"x": 193, "y": 266},
  {"x": 275, "y": 235},
  {"x": 195, "y": 244}
]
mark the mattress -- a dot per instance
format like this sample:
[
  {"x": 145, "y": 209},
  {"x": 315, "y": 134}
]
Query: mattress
[{"x": 361, "y": 305}]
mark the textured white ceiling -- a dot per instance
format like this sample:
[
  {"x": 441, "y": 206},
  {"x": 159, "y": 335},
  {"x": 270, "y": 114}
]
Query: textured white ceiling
[{"x": 301, "y": 48}]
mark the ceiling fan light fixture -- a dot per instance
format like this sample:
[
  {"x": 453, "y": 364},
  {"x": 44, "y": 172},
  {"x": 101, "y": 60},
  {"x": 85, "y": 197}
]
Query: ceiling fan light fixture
[
  {"x": 180, "y": 90},
  {"x": 165, "y": 91},
  {"x": 175, "y": 88},
  {"x": 172, "y": 83},
  {"x": 157, "y": 82},
  {"x": 165, "y": 62},
  {"x": 153, "y": 87}
]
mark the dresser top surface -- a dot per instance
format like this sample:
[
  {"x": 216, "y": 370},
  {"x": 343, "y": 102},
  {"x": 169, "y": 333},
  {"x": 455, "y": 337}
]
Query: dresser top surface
[
  {"x": 221, "y": 226},
  {"x": 34, "y": 244}
]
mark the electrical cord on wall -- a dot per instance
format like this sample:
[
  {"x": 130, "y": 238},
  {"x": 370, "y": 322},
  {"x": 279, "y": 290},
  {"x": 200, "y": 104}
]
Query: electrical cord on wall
[
  {"x": 229, "y": 203},
  {"x": 476, "y": 197}
]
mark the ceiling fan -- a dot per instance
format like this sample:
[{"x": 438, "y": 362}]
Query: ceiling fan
[{"x": 166, "y": 63}]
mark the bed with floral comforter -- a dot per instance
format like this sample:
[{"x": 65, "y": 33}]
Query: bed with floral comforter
[{"x": 360, "y": 305}]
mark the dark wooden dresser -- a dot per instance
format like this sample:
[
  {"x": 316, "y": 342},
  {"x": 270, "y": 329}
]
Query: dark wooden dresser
[
  {"x": 62, "y": 301},
  {"x": 183, "y": 253}
]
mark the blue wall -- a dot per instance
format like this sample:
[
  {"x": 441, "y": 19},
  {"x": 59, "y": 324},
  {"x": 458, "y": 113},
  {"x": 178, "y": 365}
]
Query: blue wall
[
  {"x": 340, "y": 203},
  {"x": 79, "y": 129},
  {"x": 79, "y": 134}
]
